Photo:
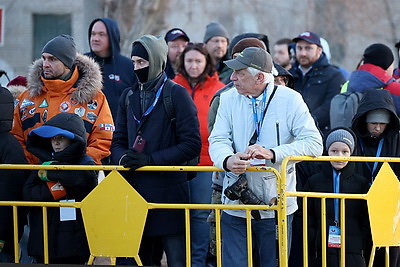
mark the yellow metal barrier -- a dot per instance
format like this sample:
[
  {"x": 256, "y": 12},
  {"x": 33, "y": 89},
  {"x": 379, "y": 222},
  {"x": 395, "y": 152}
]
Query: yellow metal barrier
[
  {"x": 125, "y": 227},
  {"x": 385, "y": 223}
]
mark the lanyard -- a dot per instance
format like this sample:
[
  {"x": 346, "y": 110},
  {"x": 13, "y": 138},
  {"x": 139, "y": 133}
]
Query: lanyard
[
  {"x": 378, "y": 153},
  {"x": 258, "y": 120},
  {"x": 150, "y": 109},
  {"x": 336, "y": 189}
]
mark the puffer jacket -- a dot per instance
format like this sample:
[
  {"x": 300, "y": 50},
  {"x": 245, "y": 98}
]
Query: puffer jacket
[{"x": 81, "y": 94}]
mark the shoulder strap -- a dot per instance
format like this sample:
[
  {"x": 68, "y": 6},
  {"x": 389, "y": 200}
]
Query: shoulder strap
[{"x": 168, "y": 101}]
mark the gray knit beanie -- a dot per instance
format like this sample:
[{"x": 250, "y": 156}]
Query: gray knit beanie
[
  {"x": 63, "y": 48},
  {"x": 215, "y": 29},
  {"x": 340, "y": 135},
  {"x": 379, "y": 115}
]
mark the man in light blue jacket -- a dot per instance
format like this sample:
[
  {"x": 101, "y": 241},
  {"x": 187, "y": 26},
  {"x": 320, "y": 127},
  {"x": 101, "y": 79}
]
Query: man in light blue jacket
[{"x": 258, "y": 124}]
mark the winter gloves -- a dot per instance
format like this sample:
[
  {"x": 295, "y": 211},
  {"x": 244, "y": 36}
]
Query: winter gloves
[{"x": 133, "y": 159}]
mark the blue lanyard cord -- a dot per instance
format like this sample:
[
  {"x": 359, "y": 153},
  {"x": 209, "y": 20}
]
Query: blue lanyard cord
[
  {"x": 258, "y": 120},
  {"x": 150, "y": 109},
  {"x": 378, "y": 154},
  {"x": 336, "y": 189}
]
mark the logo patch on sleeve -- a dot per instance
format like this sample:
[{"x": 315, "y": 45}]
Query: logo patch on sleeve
[{"x": 107, "y": 127}]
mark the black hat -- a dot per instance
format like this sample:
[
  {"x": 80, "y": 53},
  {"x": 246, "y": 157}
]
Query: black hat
[
  {"x": 379, "y": 55},
  {"x": 174, "y": 34},
  {"x": 139, "y": 51},
  {"x": 63, "y": 48}
]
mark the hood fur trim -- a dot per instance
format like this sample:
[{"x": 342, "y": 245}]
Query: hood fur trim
[{"x": 90, "y": 80}]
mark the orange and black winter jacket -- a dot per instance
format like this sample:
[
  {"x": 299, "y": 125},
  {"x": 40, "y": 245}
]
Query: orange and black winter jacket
[{"x": 81, "y": 94}]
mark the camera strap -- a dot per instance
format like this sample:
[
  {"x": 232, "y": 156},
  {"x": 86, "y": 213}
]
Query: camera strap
[{"x": 254, "y": 138}]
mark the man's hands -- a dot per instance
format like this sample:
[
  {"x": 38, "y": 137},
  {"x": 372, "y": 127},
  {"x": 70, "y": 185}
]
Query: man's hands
[
  {"x": 258, "y": 152},
  {"x": 134, "y": 159},
  {"x": 238, "y": 162}
]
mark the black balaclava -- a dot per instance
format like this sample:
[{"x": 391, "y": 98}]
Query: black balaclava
[{"x": 139, "y": 51}]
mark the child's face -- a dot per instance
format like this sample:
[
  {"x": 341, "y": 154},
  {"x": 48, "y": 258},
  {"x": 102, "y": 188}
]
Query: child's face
[
  {"x": 59, "y": 143},
  {"x": 341, "y": 150}
]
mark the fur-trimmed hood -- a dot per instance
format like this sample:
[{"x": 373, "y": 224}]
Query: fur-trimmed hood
[{"x": 87, "y": 85}]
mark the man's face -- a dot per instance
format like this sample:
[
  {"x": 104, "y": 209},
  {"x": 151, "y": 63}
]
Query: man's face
[
  {"x": 245, "y": 83},
  {"x": 139, "y": 63},
  {"x": 281, "y": 55},
  {"x": 376, "y": 128},
  {"x": 217, "y": 47},
  {"x": 175, "y": 48},
  {"x": 307, "y": 53},
  {"x": 99, "y": 41},
  {"x": 53, "y": 68}
]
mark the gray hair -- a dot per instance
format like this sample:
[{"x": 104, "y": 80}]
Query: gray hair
[{"x": 268, "y": 77}]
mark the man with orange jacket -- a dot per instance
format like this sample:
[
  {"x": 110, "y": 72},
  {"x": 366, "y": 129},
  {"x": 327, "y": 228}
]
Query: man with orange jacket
[{"x": 64, "y": 81}]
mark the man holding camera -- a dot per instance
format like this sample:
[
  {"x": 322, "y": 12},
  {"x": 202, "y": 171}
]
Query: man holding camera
[{"x": 257, "y": 124}]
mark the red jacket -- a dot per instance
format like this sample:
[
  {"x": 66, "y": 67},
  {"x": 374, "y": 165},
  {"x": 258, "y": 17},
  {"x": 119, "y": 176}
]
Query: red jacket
[{"x": 202, "y": 97}]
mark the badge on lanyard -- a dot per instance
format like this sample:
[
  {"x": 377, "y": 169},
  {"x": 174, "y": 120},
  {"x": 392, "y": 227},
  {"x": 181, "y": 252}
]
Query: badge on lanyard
[{"x": 334, "y": 239}]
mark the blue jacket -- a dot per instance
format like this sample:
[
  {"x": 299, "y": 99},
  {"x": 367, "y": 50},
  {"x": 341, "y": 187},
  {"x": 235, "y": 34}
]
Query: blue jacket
[
  {"x": 117, "y": 69},
  {"x": 360, "y": 80},
  {"x": 317, "y": 87}
]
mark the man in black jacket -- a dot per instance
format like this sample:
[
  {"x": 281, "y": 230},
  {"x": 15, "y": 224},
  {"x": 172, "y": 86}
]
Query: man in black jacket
[{"x": 314, "y": 78}]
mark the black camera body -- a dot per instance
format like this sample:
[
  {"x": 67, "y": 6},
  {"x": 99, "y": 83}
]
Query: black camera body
[{"x": 239, "y": 190}]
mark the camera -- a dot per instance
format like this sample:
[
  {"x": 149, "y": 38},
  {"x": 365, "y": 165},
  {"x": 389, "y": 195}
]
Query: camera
[{"x": 239, "y": 190}]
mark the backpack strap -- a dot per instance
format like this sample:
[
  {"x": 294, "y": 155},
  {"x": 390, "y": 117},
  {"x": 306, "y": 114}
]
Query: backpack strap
[{"x": 168, "y": 101}]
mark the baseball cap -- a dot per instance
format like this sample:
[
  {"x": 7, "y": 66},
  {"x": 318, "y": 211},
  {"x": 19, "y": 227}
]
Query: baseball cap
[
  {"x": 47, "y": 131},
  {"x": 254, "y": 57},
  {"x": 309, "y": 37},
  {"x": 174, "y": 34}
]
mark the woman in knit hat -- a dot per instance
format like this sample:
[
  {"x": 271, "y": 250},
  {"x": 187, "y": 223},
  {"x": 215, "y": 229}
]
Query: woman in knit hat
[{"x": 338, "y": 177}]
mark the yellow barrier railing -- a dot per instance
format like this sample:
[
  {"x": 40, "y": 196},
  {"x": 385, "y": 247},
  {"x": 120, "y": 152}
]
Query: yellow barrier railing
[{"x": 280, "y": 207}]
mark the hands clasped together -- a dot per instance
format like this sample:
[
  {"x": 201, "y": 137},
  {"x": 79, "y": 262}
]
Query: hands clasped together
[{"x": 238, "y": 162}]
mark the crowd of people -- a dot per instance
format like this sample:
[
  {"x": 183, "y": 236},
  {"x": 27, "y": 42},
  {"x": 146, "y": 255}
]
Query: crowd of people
[{"x": 229, "y": 103}]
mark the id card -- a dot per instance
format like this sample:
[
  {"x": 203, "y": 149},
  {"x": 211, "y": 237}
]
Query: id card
[
  {"x": 257, "y": 162},
  {"x": 334, "y": 237},
  {"x": 67, "y": 213}
]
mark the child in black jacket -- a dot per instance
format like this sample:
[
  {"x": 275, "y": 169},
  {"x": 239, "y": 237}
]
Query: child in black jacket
[
  {"x": 61, "y": 141},
  {"x": 338, "y": 177}
]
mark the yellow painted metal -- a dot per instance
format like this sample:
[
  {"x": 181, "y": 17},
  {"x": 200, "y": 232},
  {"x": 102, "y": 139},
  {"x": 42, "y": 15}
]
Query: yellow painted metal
[
  {"x": 305, "y": 231},
  {"x": 343, "y": 231},
  {"x": 15, "y": 225},
  {"x": 218, "y": 237},
  {"x": 249, "y": 239},
  {"x": 323, "y": 230},
  {"x": 116, "y": 228},
  {"x": 187, "y": 234},
  {"x": 384, "y": 208},
  {"x": 45, "y": 236}
]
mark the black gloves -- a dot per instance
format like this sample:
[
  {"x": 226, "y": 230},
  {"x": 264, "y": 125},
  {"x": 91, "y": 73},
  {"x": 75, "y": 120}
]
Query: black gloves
[{"x": 134, "y": 159}]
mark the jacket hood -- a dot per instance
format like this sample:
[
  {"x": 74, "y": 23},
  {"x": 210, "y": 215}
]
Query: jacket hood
[
  {"x": 157, "y": 50},
  {"x": 66, "y": 124},
  {"x": 6, "y": 109},
  {"x": 375, "y": 99},
  {"x": 87, "y": 86},
  {"x": 113, "y": 35}
]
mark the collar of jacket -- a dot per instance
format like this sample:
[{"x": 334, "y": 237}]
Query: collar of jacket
[
  {"x": 346, "y": 172},
  {"x": 87, "y": 84}
]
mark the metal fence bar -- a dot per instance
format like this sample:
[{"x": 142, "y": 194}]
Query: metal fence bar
[{"x": 15, "y": 225}]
